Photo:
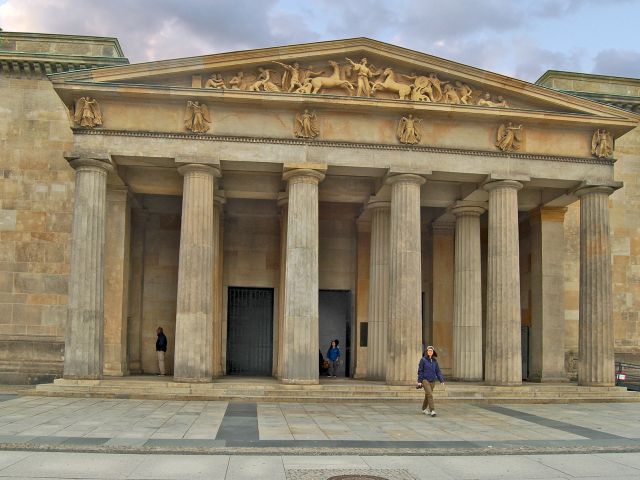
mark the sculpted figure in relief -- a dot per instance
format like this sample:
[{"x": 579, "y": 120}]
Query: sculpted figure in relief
[
  {"x": 421, "y": 86},
  {"x": 436, "y": 86},
  {"x": 87, "y": 112},
  {"x": 485, "y": 101},
  {"x": 464, "y": 92},
  {"x": 318, "y": 83},
  {"x": 196, "y": 117},
  {"x": 391, "y": 85},
  {"x": 306, "y": 125},
  {"x": 509, "y": 137},
  {"x": 364, "y": 73},
  {"x": 408, "y": 130},
  {"x": 602, "y": 144},
  {"x": 263, "y": 82},
  {"x": 215, "y": 81},
  {"x": 290, "y": 77},
  {"x": 236, "y": 81},
  {"x": 450, "y": 95}
]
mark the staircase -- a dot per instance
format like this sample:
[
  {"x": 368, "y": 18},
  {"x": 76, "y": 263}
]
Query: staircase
[{"x": 343, "y": 390}]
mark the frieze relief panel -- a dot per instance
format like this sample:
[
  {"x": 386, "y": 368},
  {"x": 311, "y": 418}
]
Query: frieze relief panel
[{"x": 358, "y": 78}]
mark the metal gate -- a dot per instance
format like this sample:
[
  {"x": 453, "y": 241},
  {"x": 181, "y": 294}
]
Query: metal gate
[{"x": 250, "y": 331}]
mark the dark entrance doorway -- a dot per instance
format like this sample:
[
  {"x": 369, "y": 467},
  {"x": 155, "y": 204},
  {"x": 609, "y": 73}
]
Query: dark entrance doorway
[
  {"x": 250, "y": 331},
  {"x": 335, "y": 322}
]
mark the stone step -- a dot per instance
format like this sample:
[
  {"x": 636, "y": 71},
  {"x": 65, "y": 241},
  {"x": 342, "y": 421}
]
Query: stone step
[{"x": 272, "y": 391}]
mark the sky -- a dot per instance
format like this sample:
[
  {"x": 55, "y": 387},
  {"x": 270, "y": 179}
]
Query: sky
[{"x": 519, "y": 38}]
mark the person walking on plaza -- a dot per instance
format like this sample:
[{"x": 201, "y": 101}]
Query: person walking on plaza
[
  {"x": 428, "y": 373},
  {"x": 333, "y": 355},
  {"x": 161, "y": 349}
]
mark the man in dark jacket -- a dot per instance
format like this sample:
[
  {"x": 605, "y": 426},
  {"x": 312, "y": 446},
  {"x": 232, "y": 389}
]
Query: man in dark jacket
[
  {"x": 161, "y": 349},
  {"x": 428, "y": 373}
]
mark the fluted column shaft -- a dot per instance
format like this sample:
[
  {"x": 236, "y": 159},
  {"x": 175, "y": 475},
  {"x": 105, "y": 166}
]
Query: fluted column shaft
[
  {"x": 467, "y": 304},
  {"x": 83, "y": 341},
  {"x": 300, "y": 323},
  {"x": 218, "y": 253},
  {"x": 595, "y": 337},
  {"x": 378, "y": 290},
  {"x": 282, "y": 203},
  {"x": 405, "y": 325},
  {"x": 194, "y": 310},
  {"x": 503, "y": 357},
  {"x": 136, "y": 283}
]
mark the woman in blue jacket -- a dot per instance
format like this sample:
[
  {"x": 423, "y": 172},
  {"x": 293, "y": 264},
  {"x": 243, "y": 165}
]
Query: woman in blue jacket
[
  {"x": 333, "y": 355},
  {"x": 428, "y": 373}
]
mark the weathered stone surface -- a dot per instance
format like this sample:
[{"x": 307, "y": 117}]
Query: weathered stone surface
[
  {"x": 84, "y": 339},
  {"x": 403, "y": 336},
  {"x": 503, "y": 361},
  {"x": 300, "y": 325}
]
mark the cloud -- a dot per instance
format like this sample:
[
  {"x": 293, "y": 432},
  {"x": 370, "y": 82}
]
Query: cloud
[{"x": 621, "y": 63}]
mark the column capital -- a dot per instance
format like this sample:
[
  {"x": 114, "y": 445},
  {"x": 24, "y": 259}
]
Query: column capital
[
  {"x": 90, "y": 161},
  {"x": 199, "y": 168},
  {"x": 219, "y": 198},
  {"x": 303, "y": 175},
  {"x": 492, "y": 185},
  {"x": 405, "y": 178},
  {"x": 468, "y": 209},
  {"x": 375, "y": 204},
  {"x": 589, "y": 189},
  {"x": 282, "y": 200}
]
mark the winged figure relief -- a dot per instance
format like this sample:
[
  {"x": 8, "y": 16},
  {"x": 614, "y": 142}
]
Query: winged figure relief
[
  {"x": 306, "y": 125},
  {"x": 509, "y": 137},
  {"x": 196, "y": 117},
  {"x": 602, "y": 144},
  {"x": 87, "y": 112}
]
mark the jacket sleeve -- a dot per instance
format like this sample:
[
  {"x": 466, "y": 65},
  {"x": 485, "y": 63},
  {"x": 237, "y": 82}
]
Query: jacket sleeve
[
  {"x": 439, "y": 373},
  {"x": 420, "y": 371}
]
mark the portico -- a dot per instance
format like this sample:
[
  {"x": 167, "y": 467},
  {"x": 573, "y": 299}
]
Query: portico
[{"x": 259, "y": 189}]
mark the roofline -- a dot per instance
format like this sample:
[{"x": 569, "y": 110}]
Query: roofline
[
  {"x": 564, "y": 73},
  {"x": 78, "y": 38}
]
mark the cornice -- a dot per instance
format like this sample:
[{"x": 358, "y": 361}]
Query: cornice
[{"x": 336, "y": 144}]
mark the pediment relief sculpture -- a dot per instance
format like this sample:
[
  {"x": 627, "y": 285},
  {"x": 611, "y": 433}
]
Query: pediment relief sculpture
[
  {"x": 509, "y": 137},
  {"x": 408, "y": 130},
  {"x": 196, "y": 117},
  {"x": 86, "y": 113},
  {"x": 361, "y": 79},
  {"x": 306, "y": 125},
  {"x": 602, "y": 144}
]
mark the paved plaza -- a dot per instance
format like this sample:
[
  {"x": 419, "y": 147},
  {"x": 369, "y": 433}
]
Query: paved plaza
[{"x": 58, "y": 437}]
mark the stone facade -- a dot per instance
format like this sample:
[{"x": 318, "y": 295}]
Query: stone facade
[{"x": 439, "y": 214}]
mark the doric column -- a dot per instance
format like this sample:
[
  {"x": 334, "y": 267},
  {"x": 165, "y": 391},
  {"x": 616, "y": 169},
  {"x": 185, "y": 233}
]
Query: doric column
[
  {"x": 378, "y": 289},
  {"x": 595, "y": 337},
  {"x": 136, "y": 282},
  {"x": 546, "y": 340},
  {"x": 300, "y": 325},
  {"x": 360, "y": 341},
  {"x": 83, "y": 341},
  {"x": 194, "y": 310},
  {"x": 467, "y": 297},
  {"x": 405, "y": 325},
  {"x": 116, "y": 289},
  {"x": 503, "y": 358}
]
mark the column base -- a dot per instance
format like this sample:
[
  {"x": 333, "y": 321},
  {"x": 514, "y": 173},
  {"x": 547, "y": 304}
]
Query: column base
[
  {"x": 596, "y": 384},
  {"x": 81, "y": 377}
]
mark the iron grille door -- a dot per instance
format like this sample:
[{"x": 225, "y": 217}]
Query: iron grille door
[{"x": 250, "y": 331}]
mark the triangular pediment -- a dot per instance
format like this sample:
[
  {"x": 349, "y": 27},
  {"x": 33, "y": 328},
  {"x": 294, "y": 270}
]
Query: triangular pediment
[{"x": 336, "y": 68}]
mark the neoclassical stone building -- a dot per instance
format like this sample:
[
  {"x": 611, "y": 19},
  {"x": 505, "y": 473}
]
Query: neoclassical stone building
[{"x": 258, "y": 204}]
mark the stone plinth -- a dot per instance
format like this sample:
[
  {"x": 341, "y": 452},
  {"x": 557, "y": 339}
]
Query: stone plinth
[
  {"x": 546, "y": 341},
  {"x": 467, "y": 303},
  {"x": 404, "y": 343},
  {"x": 595, "y": 337},
  {"x": 195, "y": 304},
  {"x": 503, "y": 359},
  {"x": 300, "y": 322},
  {"x": 378, "y": 290},
  {"x": 83, "y": 342}
]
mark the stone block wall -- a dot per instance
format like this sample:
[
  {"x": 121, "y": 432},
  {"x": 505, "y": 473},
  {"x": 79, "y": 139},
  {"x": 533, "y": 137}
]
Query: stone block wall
[{"x": 36, "y": 204}]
